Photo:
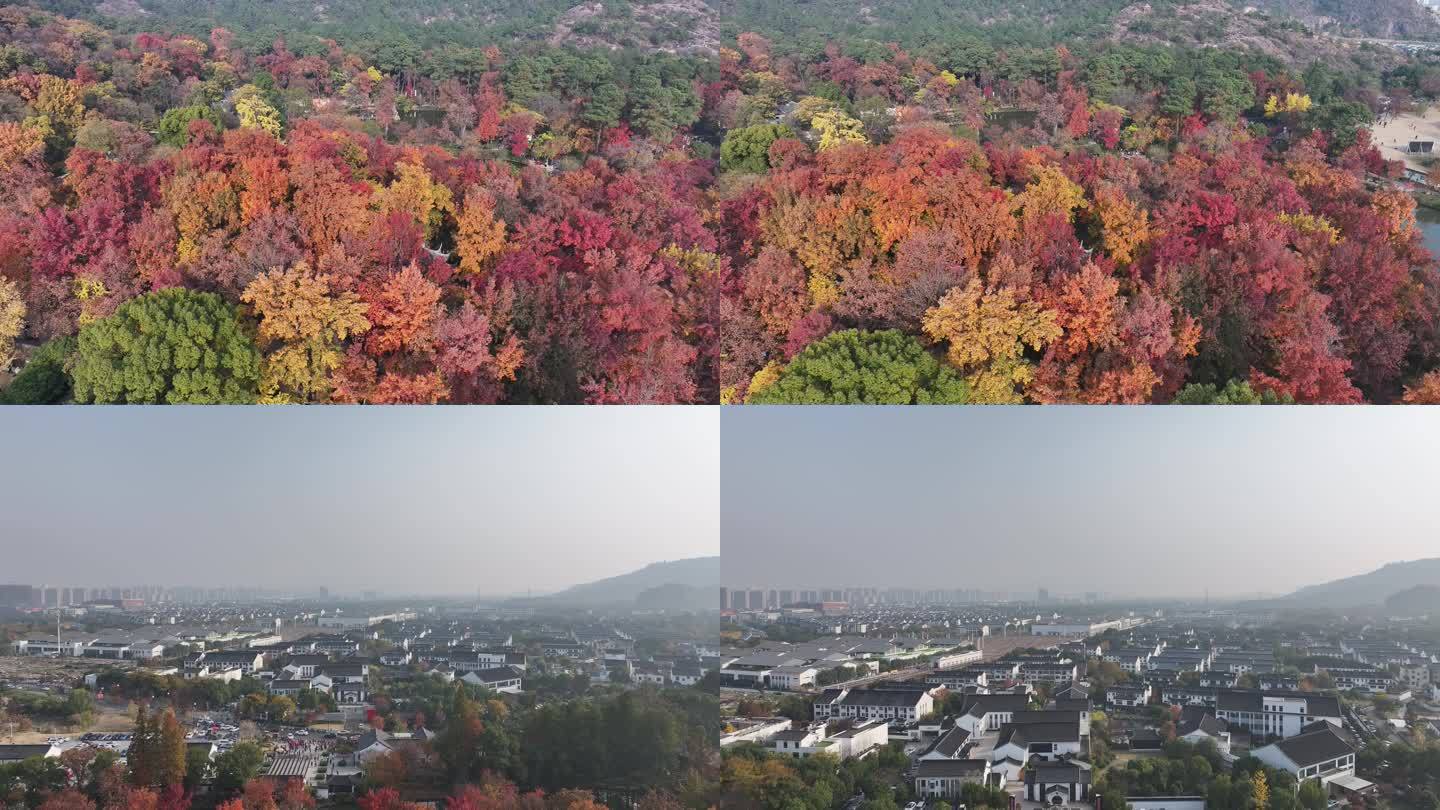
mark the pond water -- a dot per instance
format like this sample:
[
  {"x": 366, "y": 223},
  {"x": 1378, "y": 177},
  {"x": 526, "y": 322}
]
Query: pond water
[
  {"x": 428, "y": 116},
  {"x": 1006, "y": 119},
  {"x": 1429, "y": 220}
]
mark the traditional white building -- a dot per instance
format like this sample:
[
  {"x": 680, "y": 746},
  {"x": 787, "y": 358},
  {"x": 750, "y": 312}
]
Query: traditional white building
[
  {"x": 478, "y": 660},
  {"x": 305, "y": 666},
  {"x": 247, "y": 661},
  {"x": 880, "y": 703},
  {"x": 1058, "y": 783},
  {"x": 500, "y": 679},
  {"x": 38, "y": 645},
  {"x": 1361, "y": 678},
  {"x": 1317, "y": 753},
  {"x": 946, "y": 778},
  {"x": 841, "y": 741},
  {"x": 348, "y": 693},
  {"x": 1198, "y": 726},
  {"x": 1056, "y": 672},
  {"x": 753, "y": 730},
  {"x": 982, "y": 713},
  {"x": 1128, "y": 694},
  {"x": 1275, "y": 714},
  {"x": 793, "y": 677},
  {"x": 953, "y": 744}
]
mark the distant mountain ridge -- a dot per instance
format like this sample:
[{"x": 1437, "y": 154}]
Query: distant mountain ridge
[
  {"x": 1370, "y": 589},
  {"x": 672, "y": 583},
  {"x": 1421, "y": 600}
]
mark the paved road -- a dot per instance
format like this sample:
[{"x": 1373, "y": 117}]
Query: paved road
[{"x": 1401, "y": 44}]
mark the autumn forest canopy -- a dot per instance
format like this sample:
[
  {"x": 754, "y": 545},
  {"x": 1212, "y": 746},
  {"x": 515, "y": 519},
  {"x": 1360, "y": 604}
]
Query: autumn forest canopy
[{"x": 790, "y": 214}]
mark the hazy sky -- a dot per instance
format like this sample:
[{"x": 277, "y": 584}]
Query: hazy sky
[
  {"x": 1144, "y": 501},
  {"x": 402, "y": 500}
]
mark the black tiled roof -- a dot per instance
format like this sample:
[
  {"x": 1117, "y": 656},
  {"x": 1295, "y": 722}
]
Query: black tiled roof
[
  {"x": 1314, "y": 747},
  {"x": 1052, "y": 773},
  {"x": 942, "y": 768}
]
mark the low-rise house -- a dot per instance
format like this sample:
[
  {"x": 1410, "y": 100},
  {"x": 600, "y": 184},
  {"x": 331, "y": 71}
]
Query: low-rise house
[
  {"x": 753, "y": 730},
  {"x": 68, "y": 645},
  {"x": 1213, "y": 679},
  {"x": 946, "y": 778},
  {"x": 618, "y": 670},
  {"x": 563, "y": 648},
  {"x": 843, "y": 740},
  {"x": 18, "y": 753},
  {"x": 396, "y": 658},
  {"x": 1180, "y": 660},
  {"x": 1197, "y": 725},
  {"x": 1359, "y": 678},
  {"x": 953, "y": 744},
  {"x": 305, "y": 666},
  {"x": 127, "y": 649},
  {"x": 334, "y": 644},
  {"x": 1056, "y": 672},
  {"x": 1276, "y": 681},
  {"x": 1128, "y": 694},
  {"x": 890, "y": 702},
  {"x": 288, "y": 687},
  {"x": 1000, "y": 671},
  {"x": 1130, "y": 660},
  {"x": 793, "y": 677},
  {"x": 958, "y": 680},
  {"x": 222, "y": 675},
  {"x": 1018, "y": 743},
  {"x": 377, "y": 743},
  {"x": 1243, "y": 661},
  {"x": 499, "y": 679},
  {"x": 1146, "y": 740},
  {"x": 1318, "y": 752},
  {"x": 1183, "y": 695},
  {"x": 247, "y": 661},
  {"x": 1073, "y": 691},
  {"x": 349, "y": 693},
  {"x": 689, "y": 673},
  {"x": 346, "y": 673},
  {"x": 981, "y": 713},
  {"x": 476, "y": 660},
  {"x": 1058, "y": 783},
  {"x": 297, "y": 767},
  {"x": 1275, "y": 714}
]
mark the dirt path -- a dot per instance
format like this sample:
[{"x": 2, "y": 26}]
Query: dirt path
[{"x": 1393, "y": 135}]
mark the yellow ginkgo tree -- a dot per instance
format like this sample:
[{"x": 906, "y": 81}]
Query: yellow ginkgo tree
[
  {"x": 255, "y": 112},
  {"x": 986, "y": 334}
]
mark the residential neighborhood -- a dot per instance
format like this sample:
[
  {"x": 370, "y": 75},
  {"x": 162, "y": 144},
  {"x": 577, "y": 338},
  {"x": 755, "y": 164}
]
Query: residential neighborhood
[
  {"x": 343, "y": 697},
  {"x": 1011, "y": 704}
]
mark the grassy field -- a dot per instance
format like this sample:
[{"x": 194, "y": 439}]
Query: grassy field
[{"x": 108, "y": 719}]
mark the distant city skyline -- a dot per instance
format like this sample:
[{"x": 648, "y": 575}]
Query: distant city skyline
[
  {"x": 1132, "y": 502},
  {"x": 195, "y": 593},
  {"x": 441, "y": 501}
]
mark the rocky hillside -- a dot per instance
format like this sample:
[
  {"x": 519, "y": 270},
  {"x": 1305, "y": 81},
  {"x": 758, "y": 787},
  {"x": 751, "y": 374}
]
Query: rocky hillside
[{"x": 1384, "y": 19}]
